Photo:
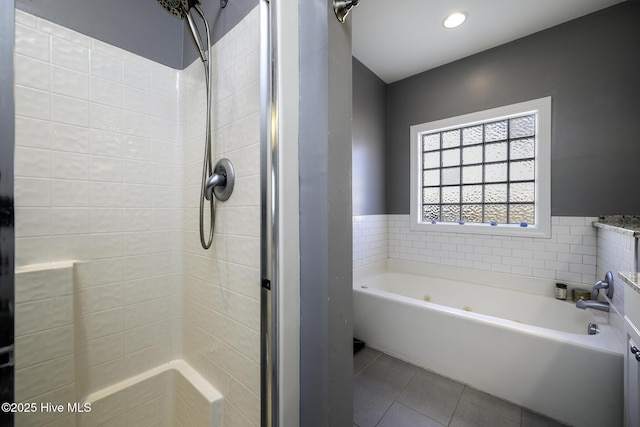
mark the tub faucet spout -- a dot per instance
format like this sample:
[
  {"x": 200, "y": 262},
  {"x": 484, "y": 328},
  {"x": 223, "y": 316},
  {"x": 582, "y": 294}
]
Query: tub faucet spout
[{"x": 596, "y": 305}]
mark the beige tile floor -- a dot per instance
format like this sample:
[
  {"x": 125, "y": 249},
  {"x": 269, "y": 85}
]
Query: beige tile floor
[{"x": 391, "y": 393}]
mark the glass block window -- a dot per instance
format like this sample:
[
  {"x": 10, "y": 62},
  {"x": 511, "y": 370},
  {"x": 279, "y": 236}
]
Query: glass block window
[
  {"x": 482, "y": 173},
  {"x": 487, "y": 171}
]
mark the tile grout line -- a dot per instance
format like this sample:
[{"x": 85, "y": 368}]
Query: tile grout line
[
  {"x": 464, "y": 386},
  {"x": 415, "y": 371},
  {"x": 367, "y": 365}
]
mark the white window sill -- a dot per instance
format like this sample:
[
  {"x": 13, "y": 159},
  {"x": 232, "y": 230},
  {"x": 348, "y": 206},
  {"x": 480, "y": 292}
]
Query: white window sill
[{"x": 539, "y": 230}]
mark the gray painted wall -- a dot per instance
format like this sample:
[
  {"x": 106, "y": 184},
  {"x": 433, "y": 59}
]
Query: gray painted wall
[
  {"x": 324, "y": 152},
  {"x": 591, "y": 69},
  {"x": 220, "y": 21},
  {"x": 7, "y": 245},
  {"x": 139, "y": 26},
  {"x": 369, "y": 131}
]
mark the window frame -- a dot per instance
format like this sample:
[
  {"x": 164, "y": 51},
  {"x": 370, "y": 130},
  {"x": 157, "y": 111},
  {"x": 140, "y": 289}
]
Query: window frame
[{"x": 542, "y": 228}]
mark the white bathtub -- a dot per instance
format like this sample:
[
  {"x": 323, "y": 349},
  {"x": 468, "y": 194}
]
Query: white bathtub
[{"x": 503, "y": 334}]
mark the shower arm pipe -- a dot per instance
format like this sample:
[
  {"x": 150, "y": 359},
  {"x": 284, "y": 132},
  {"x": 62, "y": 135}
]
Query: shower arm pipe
[{"x": 207, "y": 165}]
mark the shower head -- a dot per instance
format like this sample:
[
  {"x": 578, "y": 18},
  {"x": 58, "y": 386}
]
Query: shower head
[
  {"x": 177, "y": 8},
  {"x": 181, "y": 9}
]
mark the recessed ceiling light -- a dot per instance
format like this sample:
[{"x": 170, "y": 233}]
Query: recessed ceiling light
[{"x": 455, "y": 19}]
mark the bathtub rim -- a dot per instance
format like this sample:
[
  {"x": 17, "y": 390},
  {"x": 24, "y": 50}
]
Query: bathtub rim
[
  {"x": 609, "y": 340},
  {"x": 515, "y": 282}
]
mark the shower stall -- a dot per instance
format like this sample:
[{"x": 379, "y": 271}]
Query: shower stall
[
  {"x": 128, "y": 298},
  {"x": 121, "y": 315}
]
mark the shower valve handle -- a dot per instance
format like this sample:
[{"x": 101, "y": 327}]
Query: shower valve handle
[{"x": 220, "y": 183}]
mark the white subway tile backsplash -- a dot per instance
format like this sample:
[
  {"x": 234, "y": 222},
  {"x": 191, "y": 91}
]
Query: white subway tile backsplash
[
  {"x": 567, "y": 255},
  {"x": 615, "y": 253}
]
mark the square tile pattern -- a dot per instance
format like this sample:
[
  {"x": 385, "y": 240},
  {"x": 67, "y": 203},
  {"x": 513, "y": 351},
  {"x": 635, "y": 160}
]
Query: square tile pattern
[{"x": 388, "y": 392}]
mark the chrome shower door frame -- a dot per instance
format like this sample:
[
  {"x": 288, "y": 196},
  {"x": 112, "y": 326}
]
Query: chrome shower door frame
[{"x": 269, "y": 341}]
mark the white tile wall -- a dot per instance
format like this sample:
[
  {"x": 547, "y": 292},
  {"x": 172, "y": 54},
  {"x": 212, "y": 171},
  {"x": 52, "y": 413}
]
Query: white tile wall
[
  {"x": 370, "y": 239},
  {"x": 44, "y": 340},
  {"x": 615, "y": 254},
  {"x": 95, "y": 182},
  {"x": 170, "y": 395},
  {"x": 568, "y": 256},
  {"x": 221, "y": 285},
  {"x": 108, "y": 163}
]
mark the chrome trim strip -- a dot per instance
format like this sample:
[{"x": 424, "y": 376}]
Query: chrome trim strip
[{"x": 269, "y": 219}]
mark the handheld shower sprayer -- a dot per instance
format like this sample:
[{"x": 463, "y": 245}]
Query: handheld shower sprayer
[
  {"x": 196, "y": 35},
  {"x": 218, "y": 182}
]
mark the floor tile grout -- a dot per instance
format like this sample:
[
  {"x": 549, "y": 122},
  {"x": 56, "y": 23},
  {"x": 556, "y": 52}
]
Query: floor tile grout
[
  {"x": 415, "y": 371},
  {"x": 464, "y": 386},
  {"x": 394, "y": 400}
]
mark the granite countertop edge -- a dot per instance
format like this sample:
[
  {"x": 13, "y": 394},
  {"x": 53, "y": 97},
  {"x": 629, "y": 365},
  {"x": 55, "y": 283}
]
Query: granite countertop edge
[{"x": 631, "y": 279}]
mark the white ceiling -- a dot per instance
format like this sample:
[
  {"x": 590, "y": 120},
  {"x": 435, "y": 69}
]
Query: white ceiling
[{"x": 399, "y": 38}]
